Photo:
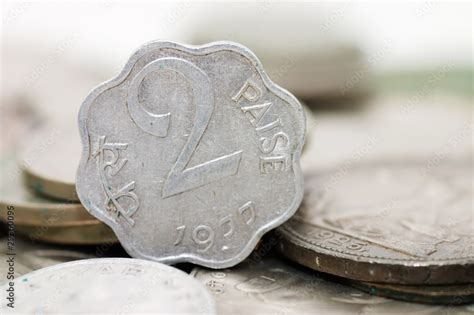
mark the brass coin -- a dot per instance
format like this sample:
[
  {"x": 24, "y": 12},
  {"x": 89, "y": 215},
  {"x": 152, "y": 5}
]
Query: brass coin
[
  {"x": 388, "y": 222},
  {"x": 433, "y": 294},
  {"x": 50, "y": 160},
  {"x": 31, "y": 209},
  {"x": 82, "y": 233}
]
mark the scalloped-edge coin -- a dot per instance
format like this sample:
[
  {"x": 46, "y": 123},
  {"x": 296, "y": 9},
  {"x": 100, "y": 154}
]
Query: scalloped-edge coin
[
  {"x": 107, "y": 285},
  {"x": 191, "y": 153}
]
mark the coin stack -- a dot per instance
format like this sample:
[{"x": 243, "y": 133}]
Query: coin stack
[
  {"x": 192, "y": 154},
  {"x": 38, "y": 186}
]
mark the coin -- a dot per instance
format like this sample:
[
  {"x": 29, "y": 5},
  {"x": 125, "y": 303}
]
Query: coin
[
  {"x": 402, "y": 222},
  {"x": 311, "y": 65},
  {"x": 273, "y": 286},
  {"x": 44, "y": 219},
  {"x": 81, "y": 233},
  {"x": 50, "y": 162},
  {"x": 109, "y": 285},
  {"x": 432, "y": 294},
  {"x": 31, "y": 256},
  {"x": 191, "y": 153}
]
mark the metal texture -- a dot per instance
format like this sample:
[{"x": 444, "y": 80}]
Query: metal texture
[
  {"x": 401, "y": 222},
  {"x": 191, "y": 153},
  {"x": 273, "y": 286},
  {"x": 109, "y": 285}
]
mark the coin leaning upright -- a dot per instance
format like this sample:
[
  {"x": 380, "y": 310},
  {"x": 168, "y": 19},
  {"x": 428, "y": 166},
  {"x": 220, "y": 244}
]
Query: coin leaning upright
[
  {"x": 404, "y": 222},
  {"x": 191, "y": 153}
]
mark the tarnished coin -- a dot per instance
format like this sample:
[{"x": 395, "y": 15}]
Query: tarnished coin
[
  {"x": 44, "y": 219},
  {"x": 272, "y": 286},
  {"x": 50, "y": 162},
  {"x": 429, "y": 294},
  {"x": 191, "y": 153},
  {"x": 108, "y": 285},
  {"x": 401, "y": 222}
]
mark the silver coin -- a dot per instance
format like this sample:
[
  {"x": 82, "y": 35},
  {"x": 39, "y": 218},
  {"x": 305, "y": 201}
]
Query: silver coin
[
  {"x": 30, "y": 256},
  {"x": 191, "y": 153},
  {"x": 108, "y": 285},
  {"x": 273, "y": 286}
]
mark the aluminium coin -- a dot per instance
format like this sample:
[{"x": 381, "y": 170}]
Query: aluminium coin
[
  {"x": 191, "y": 153},
  {"x": 108, "y": 285},
  {"x": 400, "y": 222},
  {"x": 29, "y": 256},
  {"x": 273, "y": 286}
]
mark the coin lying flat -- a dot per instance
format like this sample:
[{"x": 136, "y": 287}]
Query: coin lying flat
[
  {"x": 273, "y": 286},
  {"x": 191, "y": 153},
  {"x": 45, "y": 219},
  {"x": 50, "y": 162},
  {"x": 82, "y": 233},
  {"x": 432, "y": 294},
  {"x": 109, "y": 285},
  {"x": 31, "y": 256},
  {"x": 400, "y": 222}
]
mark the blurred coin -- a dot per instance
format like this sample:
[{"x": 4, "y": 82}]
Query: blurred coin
[
  {"x": 109, "y": 285},
  {"x": 44, "y": 219},
  {"x": 388, "y": 222},
  {"x": 50, "y": 162},
  {"x": 273, "y": 286},
  {"x": 307, "y": 54},
  {"x": 197, "y": 159},
  {"x": 81, "y": 233},
  {"x": 31, "y": 256},
  {"x": 432, "y": 294}
]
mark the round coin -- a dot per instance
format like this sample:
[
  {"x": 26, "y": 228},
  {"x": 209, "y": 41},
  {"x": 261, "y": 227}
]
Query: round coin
[
  {"x": 108, "y": 285},
  {"x": 45, "y": 219},
  {"x": 399, "y": 222},
  {"x": 273, "y": 286},
  {"x": 432, "y": 294},
  {"x": 50, "y": 162},
  {"x": 191, "y": 153},
  {"x": 31, "y": 256}
]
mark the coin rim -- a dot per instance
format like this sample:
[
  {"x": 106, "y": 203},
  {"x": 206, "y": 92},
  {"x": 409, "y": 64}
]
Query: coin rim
[{"x": 342, "y": 261}]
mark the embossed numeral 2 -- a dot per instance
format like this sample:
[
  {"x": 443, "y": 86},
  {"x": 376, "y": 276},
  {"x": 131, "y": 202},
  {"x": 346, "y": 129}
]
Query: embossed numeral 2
[{"x": 180, "y": 178}]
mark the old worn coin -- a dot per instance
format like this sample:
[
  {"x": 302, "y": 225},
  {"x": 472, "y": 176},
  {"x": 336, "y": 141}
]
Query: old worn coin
[
  {"x": 273, "y": 286},
  {"x": 109, "y": 285},
  {"x": 50, "y": 161},
  {"x": 401, "y": 222},
  {"x": 429, "y": 294},
  {"x": 45, "y": 219},
  {"x": 191, "y": 153}
]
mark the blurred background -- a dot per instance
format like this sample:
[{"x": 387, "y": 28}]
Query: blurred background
[
  {"x": 378, "y": 81},
  {"x": 384, "y": 78}
]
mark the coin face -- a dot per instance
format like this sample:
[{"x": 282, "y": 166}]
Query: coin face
[
  {"x": 400, "y": 222},
  {"x": 273, "y": 286},
  {"x": 115, "y": 285},
  {"x": 191, "y": 153}
]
